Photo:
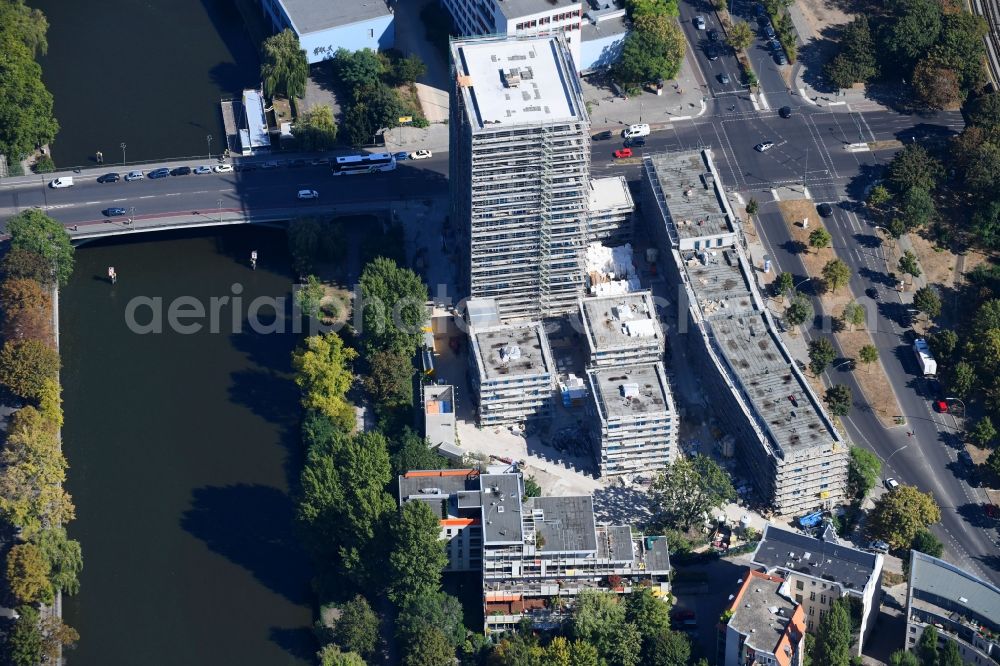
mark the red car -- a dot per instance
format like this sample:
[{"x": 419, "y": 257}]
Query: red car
[
  {"x": 941, "y": 406},
  {"x": 992, "y": 511},
  {"x": 623, "y": 153}
]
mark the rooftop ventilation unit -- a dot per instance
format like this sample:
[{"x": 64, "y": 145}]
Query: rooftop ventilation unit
[{"x": 511, "y": 77}]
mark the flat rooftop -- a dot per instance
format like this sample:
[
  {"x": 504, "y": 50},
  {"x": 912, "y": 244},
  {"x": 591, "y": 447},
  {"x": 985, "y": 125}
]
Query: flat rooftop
[
  {"x": 688, "y": 186},
  {"x": 432, "y": 483},
  {"x": 314, "y": 15},
  {"x": 515, "y": 9},
  {"x": 567, "y": 524},
  {"x": 632, "y": 390},
  {"x": 439, "y": 413},
  {"x": 609, "y": 194},
  {"x": 719, "y": 281},
  {"x": 761, "y": 612},
  {"x": 517, "y": 81},
  {"x": 827, "y": 560},
  {"x": 614, "y": 322},
  {"x": 512, "y": 351},
  {"x": 614, "y": 26},
  {"x": 937, "y": 583},
  {"x": 501, "y": 501}
]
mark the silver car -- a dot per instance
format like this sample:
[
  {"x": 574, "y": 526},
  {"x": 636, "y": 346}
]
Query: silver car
[{"x": 134, "y": 175}]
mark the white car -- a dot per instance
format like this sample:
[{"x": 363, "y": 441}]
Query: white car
[
  {"x": 699, "y": 22},
  {"x": 66, "y": 181},
  {"x": 223, "y": 168},
  {"x": 308, "y": 194},
  {"x": 763, "y": 147},
  {"x": 420, "y": 155},
  {"x": 891, "y": 484}
]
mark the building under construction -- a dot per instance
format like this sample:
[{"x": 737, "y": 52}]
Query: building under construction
[{"x": 520, "y": 172}]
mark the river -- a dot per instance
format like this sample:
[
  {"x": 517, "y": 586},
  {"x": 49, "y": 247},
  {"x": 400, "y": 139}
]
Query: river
[
  {"x": 146, "y": 73},
  {"x": 182, "y": 448}
]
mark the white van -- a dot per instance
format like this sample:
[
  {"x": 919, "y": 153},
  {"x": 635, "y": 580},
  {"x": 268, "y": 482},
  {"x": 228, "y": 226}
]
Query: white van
[
  {"x": 636, "y": 130},
  {"x": 65, "y": 181}
]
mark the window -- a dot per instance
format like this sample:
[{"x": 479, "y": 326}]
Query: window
[
  {"x": 812, "y": 611},
  {"x": 811, "y": 626},
  {"x": 799, "y": 585},
  {"x": 812, "y": 596},
  {"x": 822, "y": 598},
  {"x": 371, "y": 33},
  {"x": 798, "y": 598}
]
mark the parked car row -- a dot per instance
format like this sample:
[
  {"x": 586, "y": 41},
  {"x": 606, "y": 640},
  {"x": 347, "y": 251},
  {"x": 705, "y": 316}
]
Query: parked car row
[{"x": 161, "y": 172}]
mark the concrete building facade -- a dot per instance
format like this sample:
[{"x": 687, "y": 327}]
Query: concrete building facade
[
  {"x": 765, "y": 626},
  {"x": 520, "y": 173},
  {"x": 964, "y": 608},
  {"x": 821, "y": 570},
  {"x": 536, "y": 554},
  {"x": 610, "y": 211},
  {"x": 635, "y": 424},
  {"x": 622, "y": 330},
  {"x": 461, "y": 525},
  {"x": 512, "y": 373},
  {"x": 789, "y": 445},
  {"x": 323, "y": 27}
]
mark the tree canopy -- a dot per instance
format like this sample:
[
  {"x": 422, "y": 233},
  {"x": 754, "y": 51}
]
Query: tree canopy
[
  {"x": 833, "y": 637},
  {"x": 357, "y": 629},
  {"x": 323, "y": 374},
  {"x": 862, "y": 472},
  {"x": 394, "y": 310},
  {"x": 284, "y": 67},
  {"x": 651, "y": 52},
  {"x": 898, "y": 515},
  {"x": 689, "y": 488},
  {"x": 836, "y": 274},
  {"x": 821, "y": 354},
  {"x": 35, "y": 232},
  {"x": 417, "y": 557},
  {"x": 26, "y": 117},
  {"x": 838, "y": 399},
  {"x": 315, "y": 129}
]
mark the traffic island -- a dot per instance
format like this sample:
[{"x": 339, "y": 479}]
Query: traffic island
[{"x": 872, "y": 379}]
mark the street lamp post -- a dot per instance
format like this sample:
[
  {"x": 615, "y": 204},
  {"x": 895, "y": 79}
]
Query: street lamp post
[
  {"x": 209, "y": 139},
  {"x": 796, "y": 286},
  {"x": 131, "y": 215},
  {"x": 123, "y": 154},
  {"x": 958, "y": 400}
]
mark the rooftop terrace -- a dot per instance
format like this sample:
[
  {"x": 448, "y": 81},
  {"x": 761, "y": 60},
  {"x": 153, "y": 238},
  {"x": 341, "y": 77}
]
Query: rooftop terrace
[
  {"x": 517, "y": 81},
  {"x": 619, "y": 321},
  {"x": 689, "y": 188},
  {"x": 513, "y": 350},
  {"x": 632, "y": 390}
]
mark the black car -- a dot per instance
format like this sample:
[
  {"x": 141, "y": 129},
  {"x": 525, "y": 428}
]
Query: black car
[
  {"x": 181, "y": 171},
  {"x": 603, "y": 136},
  {"x": 635, "y": 142},
  {"x": 245, "y": 167},
  {"x": 158, "y": 173},
  {"x": 713, "y": 35},
  {"x": 298, "y": 164},
  {"x": 785, "y": 112},
  {"x": 109, "y": 178},
  {"x": 711, "y": 52},
  {"x": 824, "y": 210},
  {"x": 114, "y": 212},
  {"x": 872, "y": 293}
]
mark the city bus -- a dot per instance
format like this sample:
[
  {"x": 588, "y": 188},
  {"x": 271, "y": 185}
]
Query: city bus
[{"x": 352, "y": 164}]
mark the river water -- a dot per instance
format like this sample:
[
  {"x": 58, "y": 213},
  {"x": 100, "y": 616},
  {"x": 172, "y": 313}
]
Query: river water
[
  {"x": 146, "y": 73},
  {"x": 182, "y": 448}
]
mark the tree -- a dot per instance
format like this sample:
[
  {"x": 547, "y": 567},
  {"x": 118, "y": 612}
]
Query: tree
[
  {"x": 879, "y": 196},
  {"x": 331, "y": 655},
  {"x": 838, "y": 400},
  {"x": 639, "y": 8},
  {"x": 833, "y": 637},
  {"x": 993, "y": 463},
  {"x": 63, "y": 556},
  {"x": 857, "y": 61},
  {"x": 647, "y": 611},
  {"x": 25, "y": 365},
  {"x": 626, "y": 648},
  {"x": 418, "y": 555},
  {"x": 21, "y": 263},
  {"x": 903, "y": 658},
  {"x": 688, "y": 488},
  {"x": 784, "y": 283},
  {"x": 27, "y": 309},
  {"x": 982, "y": 178},
  {"x": 915, "y": 30},
  {"x": 862, "y": 472},
  {"x": 985, "y": 110},
  {"x": 927, "y": 647},
  {"x": 390, "y": 378},
  {"x": 925, "y": 542},
  {"x": 854, "y": 314},
  {"x": 948, "y": 655},
  {"x": 752, "y": 206},
  {"x": 740, "y": 35},
  {"x": 414, "y": 452},
  {"x": 986, "y": 224},
  {"x": 309, "y": 296},
  {"x": 927, "y": 301},
  {"x": 357, "y": 69},
  {"x": 983, "y": 434},
  {"x": 899, "y": 515},
  {"x": 531, "y": 487},
  {"x": 434, "y": 609},
  {"x": 943, "y": 343},
  {"x": 667, "y": 648},
  {"x": 917, "y": 208},
  {"x": 358, "y": 627},
  {"x": 962, "y": 379},
  {"x": 908, "y": 264},
  {"x": 429, "y": 648},
  {"x": 914, "y": 167},
  {"x": 28, "y": 574},
  {"x": 315, "y": 129},
  {"x": 799, "y": 310},
  {"x": 819, "y": 238},
  {"x": 26, "y": 106},
  {"x": 409, "y": 69},
  {"x": 323, "y": 373},
  {"x": 821, "y": 353},
  {"x": 960, "y": 47},
  {"x": 375, "y": 107},
  {"x": 34, "y": 231},
  {"x": 56, "y": 635},
  {"x": 26, "y": 642},
  {"x": 284, "y": 67},
  {"x": 836, "y": 274},
  {"x": 650, "y": 53},
  {"x": 936, "y": 86},
  {"x": 868, "y": 355},
  {"x": 394, "y": 312}
]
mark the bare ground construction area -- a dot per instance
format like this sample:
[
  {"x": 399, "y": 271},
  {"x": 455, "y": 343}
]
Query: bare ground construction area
[{"x": 872, "y": 379}]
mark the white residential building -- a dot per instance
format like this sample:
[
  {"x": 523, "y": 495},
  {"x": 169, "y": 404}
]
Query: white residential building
[
  {"x": 622, "y": 329},
  {"x": 512, "y": 373}
]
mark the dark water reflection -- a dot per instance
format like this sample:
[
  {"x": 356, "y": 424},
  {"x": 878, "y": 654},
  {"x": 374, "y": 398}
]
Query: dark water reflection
[{"x": 181, "y": 451}]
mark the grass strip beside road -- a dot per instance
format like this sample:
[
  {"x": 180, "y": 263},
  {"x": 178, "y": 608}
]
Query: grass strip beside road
[{"x": 872, "y": 379}]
